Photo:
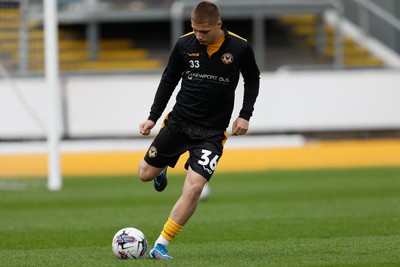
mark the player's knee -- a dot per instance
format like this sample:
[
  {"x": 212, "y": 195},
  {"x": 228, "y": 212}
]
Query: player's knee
[
  {"x": 195, "y": 190},
  {"x": 199, "y": 188},
  {"x": 144, "y": 173},
  {"x": 145, "y": 176}
]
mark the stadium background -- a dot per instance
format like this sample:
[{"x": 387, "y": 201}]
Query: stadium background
[
  {"x": 328, "y": 104},
  {"x": 339, "y": 97}
]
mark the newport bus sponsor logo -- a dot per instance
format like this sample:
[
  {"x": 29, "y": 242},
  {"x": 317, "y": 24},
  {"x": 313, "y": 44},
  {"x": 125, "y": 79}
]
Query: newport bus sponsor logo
[{"x": 207, "y": 77}]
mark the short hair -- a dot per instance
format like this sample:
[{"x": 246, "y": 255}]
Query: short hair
[{"x": 206, "y": 12}]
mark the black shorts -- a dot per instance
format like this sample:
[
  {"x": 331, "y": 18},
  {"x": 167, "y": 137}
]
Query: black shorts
[{"x": 177, "y": 136}]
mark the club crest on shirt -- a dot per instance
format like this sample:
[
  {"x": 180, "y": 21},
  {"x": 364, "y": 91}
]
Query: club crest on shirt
[
  {"x": 227, "y": 58},
  {"x": 152, "y": 152}
]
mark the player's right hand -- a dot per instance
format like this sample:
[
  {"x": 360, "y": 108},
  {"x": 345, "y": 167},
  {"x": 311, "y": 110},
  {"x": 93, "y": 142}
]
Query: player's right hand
[{"x": 146, "y": 126}]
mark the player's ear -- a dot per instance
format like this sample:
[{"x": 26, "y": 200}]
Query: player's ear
[{"x": 219, "y": 23}]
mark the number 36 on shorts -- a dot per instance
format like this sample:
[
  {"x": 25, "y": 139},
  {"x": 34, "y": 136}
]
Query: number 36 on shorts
[{"x": 205, "y": 159}]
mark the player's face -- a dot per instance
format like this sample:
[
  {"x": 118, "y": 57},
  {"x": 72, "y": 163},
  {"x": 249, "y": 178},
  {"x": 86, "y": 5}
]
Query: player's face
[{"x": 206, "y": 33}]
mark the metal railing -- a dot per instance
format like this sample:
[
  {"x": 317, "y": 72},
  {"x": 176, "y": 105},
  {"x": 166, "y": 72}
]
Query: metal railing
[
  {"x": 366, "y": 8},
  {"x": 255, "y": 10}
]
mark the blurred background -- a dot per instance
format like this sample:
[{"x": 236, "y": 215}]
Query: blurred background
[{"x": 330, "y": 71}]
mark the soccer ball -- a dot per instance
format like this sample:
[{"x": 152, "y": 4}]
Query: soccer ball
[{"x": 129, "y": 243}]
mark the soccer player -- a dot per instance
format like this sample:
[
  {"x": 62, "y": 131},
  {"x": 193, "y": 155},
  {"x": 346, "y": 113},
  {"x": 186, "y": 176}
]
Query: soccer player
[{"x": 209, "y": 61}]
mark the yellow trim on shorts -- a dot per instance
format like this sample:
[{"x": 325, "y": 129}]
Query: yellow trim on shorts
[{"x": 226, "y": 138}]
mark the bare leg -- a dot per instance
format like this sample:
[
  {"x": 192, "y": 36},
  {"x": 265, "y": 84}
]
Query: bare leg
[
  {"x": 181, "y": 213},
  {"x": 187, "y": 203},
  {"x": 148, "y": 172}
]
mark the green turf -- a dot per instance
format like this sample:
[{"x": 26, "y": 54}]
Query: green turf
[{"x": 275, "y": 218}]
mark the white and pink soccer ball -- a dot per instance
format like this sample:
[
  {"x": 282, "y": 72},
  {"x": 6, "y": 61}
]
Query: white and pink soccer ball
[{"x": 129, "y": 243}]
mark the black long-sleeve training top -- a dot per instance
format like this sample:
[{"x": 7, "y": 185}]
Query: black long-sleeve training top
[{"x": 208, "y": 83}]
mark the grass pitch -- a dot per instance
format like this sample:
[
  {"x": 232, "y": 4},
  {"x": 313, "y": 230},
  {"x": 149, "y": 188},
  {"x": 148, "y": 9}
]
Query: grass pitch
[{"x": 277, "y": 218}]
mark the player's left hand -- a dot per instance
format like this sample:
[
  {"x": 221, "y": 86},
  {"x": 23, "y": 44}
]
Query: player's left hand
[{"x": 240, "y": 126}]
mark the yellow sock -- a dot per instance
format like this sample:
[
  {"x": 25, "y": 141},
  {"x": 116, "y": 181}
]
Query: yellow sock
[{"x": 171, "y": 229}]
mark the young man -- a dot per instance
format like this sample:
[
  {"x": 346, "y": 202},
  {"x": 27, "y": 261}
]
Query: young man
[{"x": 209, "y": 61}]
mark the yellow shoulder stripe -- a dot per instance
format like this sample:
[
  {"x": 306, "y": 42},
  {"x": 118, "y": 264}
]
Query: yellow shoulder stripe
[
  {"x": 234, "y": 34},
  {"x": 189, "y": 33}
]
